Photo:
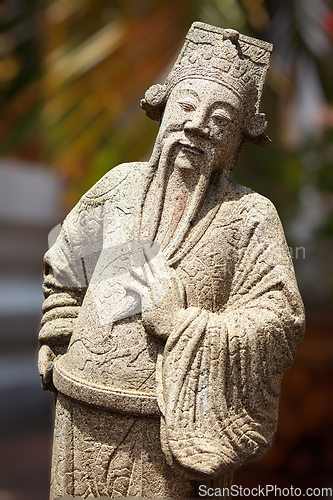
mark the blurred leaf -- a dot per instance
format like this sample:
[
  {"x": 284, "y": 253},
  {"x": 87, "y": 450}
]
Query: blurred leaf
[
  {"x": 94, "y": 83},
  {"x": 20, "y": 71}
]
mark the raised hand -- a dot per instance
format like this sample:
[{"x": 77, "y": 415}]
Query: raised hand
[{"x": 162, "y": 295}]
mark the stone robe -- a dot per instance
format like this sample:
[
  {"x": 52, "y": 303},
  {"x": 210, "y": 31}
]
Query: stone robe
[{"x": 140, "y": 417}]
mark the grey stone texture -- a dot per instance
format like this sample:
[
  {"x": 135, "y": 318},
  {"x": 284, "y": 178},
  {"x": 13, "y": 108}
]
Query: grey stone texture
[{"x": 171, "y": 307}]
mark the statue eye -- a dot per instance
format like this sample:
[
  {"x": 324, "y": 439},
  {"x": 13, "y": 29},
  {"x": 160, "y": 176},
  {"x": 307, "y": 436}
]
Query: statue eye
[
  {"x": 187, "y": 105},
  {"x": 221, "y": 117}
]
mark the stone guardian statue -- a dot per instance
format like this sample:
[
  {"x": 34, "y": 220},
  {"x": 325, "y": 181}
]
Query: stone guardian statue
[{"x": 171, "y": 306}]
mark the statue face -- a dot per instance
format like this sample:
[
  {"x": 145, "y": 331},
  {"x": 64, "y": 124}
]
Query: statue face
[{"x": 205, "y": 119}]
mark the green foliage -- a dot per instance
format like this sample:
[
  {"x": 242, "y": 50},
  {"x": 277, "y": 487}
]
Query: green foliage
[
  {"x": 223, "y": 13},
  {"x": 20, "y": 72}
]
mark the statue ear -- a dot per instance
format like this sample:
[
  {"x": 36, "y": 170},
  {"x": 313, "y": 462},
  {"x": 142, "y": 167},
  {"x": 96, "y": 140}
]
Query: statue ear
[{"x": 256, "y": 125}]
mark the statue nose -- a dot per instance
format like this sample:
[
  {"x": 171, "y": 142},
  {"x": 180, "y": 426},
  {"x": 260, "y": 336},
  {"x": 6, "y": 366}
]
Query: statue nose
[{"x": 197, "y": 124}]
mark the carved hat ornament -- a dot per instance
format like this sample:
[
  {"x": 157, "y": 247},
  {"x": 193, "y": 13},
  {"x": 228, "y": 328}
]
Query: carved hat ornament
[{"x": 236, "y": 61}]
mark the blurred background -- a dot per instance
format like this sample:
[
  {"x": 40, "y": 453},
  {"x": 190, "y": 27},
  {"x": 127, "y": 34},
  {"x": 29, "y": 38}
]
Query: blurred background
[{"x": 72, "y": 73}]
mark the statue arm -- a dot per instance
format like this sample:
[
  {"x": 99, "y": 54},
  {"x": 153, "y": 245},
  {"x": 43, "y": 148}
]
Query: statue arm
[
  {"x": 70, "y": 263},
  {"x": 219, "y": 381},
  {"x": 64, "y": 291},
  {"x": 264, "y": 296}
]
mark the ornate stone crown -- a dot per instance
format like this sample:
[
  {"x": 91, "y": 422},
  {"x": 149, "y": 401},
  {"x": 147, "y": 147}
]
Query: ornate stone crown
[{"x": 222, "y": 55}]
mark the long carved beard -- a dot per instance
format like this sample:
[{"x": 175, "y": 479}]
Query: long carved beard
[{"x": 175, "y": 228}]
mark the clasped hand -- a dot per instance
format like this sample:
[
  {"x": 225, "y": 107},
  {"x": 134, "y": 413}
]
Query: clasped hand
[{"x": 158, "y": 290}]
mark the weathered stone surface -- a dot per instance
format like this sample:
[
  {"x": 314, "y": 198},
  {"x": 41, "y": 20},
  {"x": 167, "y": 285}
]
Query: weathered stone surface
[{"x": 172, "y": 310}]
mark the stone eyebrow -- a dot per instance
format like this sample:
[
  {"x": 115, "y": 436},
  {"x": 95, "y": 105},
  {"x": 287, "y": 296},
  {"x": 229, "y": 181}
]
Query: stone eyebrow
[
  {"x": 189, "y": 91},
  {"x": 214, "y": 104},
  {"x": 225, "y": 104}
]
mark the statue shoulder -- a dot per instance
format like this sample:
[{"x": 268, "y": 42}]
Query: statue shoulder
[
  {"x": 127, "y": 177},
  {"x": 248, "y": 201},
  {"x": 123, "y": 183}
]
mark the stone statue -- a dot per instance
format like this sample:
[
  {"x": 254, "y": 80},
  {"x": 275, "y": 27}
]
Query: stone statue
[{"x": 172, "y": 310}]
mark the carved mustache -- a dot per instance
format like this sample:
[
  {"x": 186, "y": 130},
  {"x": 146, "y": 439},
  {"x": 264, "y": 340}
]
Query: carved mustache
[{"x": 187, "y": 141}]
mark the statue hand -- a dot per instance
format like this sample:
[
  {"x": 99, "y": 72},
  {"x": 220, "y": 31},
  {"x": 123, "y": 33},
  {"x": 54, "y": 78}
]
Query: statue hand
[
  {"x": 45, "y": 367},
  {"x": 162, "y": 295},
  {"x": 160, "y": 317}
]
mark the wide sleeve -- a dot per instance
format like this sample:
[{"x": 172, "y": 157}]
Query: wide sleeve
[
  {"x": 68, "y": 268},
  {"x": 70, "y": 263},
  {"x": 220, "y": 374}
]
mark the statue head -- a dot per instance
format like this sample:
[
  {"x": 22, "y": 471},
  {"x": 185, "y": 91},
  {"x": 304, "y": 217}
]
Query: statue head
[{"x": 212, "y": 96}]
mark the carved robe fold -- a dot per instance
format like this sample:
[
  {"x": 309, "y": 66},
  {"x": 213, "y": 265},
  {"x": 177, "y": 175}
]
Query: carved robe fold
[{"x": 212, "y": 388}]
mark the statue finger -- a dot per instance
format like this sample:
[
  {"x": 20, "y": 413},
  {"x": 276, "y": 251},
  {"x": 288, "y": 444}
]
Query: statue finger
[{"x": 156, "y": 261}]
